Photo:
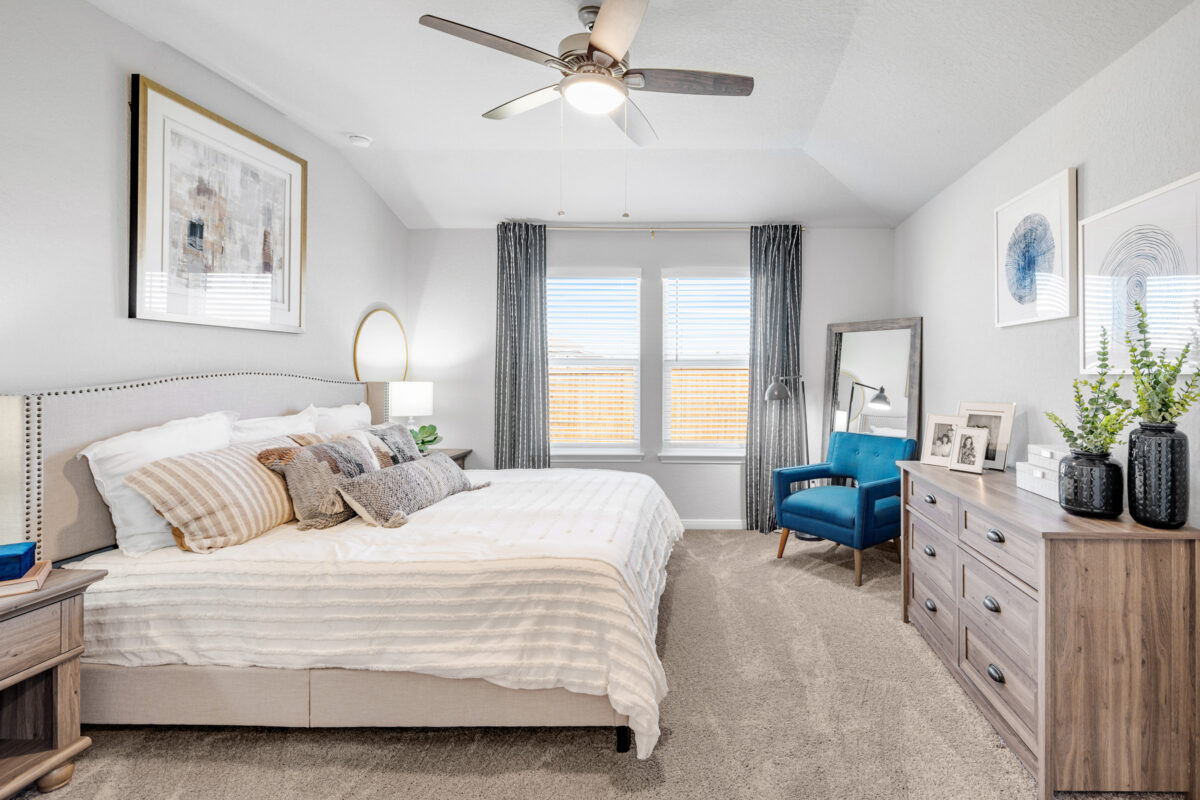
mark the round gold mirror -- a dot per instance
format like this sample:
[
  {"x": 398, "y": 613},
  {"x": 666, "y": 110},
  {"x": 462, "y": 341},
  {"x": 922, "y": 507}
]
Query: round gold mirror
[{"x": 380, "y": 348}]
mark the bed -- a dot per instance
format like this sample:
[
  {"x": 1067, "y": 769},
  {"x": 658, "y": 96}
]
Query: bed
[{"x": 533, "y": 602}]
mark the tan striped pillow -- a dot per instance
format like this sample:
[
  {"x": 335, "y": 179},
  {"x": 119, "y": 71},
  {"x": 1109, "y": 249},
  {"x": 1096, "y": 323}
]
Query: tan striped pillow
[{"x": 217, "y": 498}]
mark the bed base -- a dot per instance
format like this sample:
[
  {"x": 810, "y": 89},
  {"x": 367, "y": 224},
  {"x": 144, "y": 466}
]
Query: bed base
[{"x": 328, "y": 698}]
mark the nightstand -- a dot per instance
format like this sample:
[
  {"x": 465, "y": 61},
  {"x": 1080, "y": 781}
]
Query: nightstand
[
  {"x": 457, "y": 455},
  {"x": 41, "y": 639}
]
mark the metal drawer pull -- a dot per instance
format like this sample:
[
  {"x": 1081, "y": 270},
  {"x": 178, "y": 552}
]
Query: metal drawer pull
[
  {"x": 929, "y": 551},
  {"x": 995, "y": 674},
  {"x": 932, "y": 606},
  {"x": 930, "y": 499},
  {"x": 995, "y": 536},
  {"x": 990, "y": 604}
]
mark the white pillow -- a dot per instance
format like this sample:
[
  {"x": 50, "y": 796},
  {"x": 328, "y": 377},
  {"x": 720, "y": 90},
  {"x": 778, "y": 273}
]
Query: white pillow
[
  {"x": 881, "y": 430},
  {"x": 140, "y": 529},
  {"x": 259, "y": 428},
  {"x": 343, "y": 418}
]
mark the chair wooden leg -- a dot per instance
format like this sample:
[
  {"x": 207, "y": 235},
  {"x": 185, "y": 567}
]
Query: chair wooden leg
[
  {"x": 782, "y": 542},
  {"x": 858, "y": 555}
]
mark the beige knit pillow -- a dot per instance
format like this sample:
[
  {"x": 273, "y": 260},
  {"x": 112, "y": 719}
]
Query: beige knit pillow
[{"x": 216, "y": 498}]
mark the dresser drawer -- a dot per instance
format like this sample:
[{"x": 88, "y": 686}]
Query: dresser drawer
[
  {"x": 937, "y": 505},
  {"x": 29, "y": 639},
  {"x": 1008, "y": 546},
  {"x": 935, "y": 608},
  {"x": 931, "y": 553},
  {"x": 1010, "y": 691},
  {"x": 1001, "y": 610}
]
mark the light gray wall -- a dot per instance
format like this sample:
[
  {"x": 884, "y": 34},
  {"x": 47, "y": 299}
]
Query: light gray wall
[
  {"x": 452, "y": 278},
  {"x": 64, "y": 211},
  {"x": 1129, "y": 130}
]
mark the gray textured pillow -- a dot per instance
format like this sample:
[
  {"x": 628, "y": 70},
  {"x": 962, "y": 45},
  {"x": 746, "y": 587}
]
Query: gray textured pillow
[
  {"x": 313, "y": 474},
  {"x": 399, "y": 440},
  {"x": 386, "y": 498}
]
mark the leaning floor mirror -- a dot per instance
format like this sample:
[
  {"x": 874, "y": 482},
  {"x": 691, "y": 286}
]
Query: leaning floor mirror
[{"x": 873, "y": 378}]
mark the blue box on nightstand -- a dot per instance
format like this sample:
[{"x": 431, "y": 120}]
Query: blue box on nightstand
[{"x": 15, "y": 560}]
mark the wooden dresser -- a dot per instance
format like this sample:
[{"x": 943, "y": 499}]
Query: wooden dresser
[
  {"x": 41, "y": 639},
  {"x": 1075, "y": 637}
]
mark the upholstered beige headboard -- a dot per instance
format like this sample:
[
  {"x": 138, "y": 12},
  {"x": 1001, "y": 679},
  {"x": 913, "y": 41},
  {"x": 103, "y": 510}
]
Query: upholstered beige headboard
[{"x": 47, "y": 495}]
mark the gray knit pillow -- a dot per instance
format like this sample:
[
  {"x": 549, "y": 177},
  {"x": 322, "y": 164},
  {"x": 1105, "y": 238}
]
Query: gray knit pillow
[
  {"x": 313, "y": 474},
  {"x": 399, "y": 440},
  {"x": 386, "y": 498}
]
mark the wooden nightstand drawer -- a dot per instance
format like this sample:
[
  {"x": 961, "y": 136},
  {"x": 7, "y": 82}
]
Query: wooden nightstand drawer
[
  {"x": 1007, "y": 546},
  {"x": 999, "y": 679},
  {"x": 932, "y": 554},
  {"x": 933, "y": 503},
  {"x": 1008, "y": 615},
  {"x": 29, "y": 639}
]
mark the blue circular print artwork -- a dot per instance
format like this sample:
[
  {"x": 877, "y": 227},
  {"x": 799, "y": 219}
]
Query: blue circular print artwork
[{"x": 1030, "y": 251}]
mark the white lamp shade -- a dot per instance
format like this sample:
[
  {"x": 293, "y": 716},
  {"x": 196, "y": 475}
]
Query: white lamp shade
[{"x": 410, "y": 399}]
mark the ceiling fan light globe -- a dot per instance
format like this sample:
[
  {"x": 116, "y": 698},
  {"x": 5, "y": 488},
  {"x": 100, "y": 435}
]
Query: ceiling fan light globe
[{"x": 593, "y": 94}]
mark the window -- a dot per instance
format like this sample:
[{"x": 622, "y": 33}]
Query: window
[
  {"x": 706, "y": 362},
  {"x": 595, "y": 366}
]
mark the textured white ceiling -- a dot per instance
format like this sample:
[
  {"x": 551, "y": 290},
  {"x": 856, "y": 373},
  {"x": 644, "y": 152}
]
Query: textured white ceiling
[{"x": 862, "y": 109}]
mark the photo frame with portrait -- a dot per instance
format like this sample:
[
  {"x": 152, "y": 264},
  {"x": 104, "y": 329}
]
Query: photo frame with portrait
[
  {"x": 969, "y": 449},
  {"x": 998, "y": 419},
  {"x": 939, "y": 439}
]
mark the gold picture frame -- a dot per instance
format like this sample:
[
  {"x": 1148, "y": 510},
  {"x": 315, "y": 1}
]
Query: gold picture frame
[{"x": 218, "y": 222}]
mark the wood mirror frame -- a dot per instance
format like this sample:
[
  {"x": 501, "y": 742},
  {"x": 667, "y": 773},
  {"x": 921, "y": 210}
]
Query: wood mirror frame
[{"x": 833, "y": 357}]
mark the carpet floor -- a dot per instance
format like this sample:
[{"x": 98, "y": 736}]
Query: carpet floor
[{"x": 785, "y": 681}]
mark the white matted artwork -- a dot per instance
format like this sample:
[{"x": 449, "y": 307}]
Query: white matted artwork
[
  {"x": 218, "y": 219},
  {"x": 967, "y": 452},
  {"x": 1035, "y": 253},
  {"x": 939, "y": 439},
  {"x": 998, "y": 419},
  {"x": 1147, "y": 252}
]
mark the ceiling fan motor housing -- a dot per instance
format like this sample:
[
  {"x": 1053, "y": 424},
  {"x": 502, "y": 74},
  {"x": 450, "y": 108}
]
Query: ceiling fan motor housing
[{"x": 574, "y": 51}]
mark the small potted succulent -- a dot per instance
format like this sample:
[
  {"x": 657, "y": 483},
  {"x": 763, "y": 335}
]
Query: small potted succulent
[
  {"x": 424, "y": 436},
  {"x": 1089, "y": 481},
  {"x": 1158, "y": 454}
]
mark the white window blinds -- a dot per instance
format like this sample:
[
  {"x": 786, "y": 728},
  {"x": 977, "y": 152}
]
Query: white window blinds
[
  {"x": 595, "y": 367},
  {"x": 706, "y": 349}
]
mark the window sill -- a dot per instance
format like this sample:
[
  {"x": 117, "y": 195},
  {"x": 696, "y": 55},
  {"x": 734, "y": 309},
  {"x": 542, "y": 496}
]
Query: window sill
[
  {"x": 597, "y": 457},
  {"x": 702, "y": 457}
]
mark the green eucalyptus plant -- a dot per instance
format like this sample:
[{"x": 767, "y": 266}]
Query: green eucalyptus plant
[
  {"x": 424, "y": 436},
  {"x": 1156, "y": 378},
  {"x": 1100, "y": 417}
]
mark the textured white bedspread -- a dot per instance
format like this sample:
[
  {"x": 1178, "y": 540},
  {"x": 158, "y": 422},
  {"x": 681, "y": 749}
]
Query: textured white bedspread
[{"x": 547, "y": 578}]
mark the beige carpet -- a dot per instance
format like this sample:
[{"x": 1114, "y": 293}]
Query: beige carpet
[{"x": 785, "y": 682}]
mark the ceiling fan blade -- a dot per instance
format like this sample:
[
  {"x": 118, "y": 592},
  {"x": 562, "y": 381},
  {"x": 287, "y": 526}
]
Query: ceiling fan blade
[
  {"x": 525, "y": 102},
  {"x": 689, "y": 81},
  {"x": 493, "y": 41},
  {"x": 616, "y": 25},
  {"x": 639, "y": 129}
]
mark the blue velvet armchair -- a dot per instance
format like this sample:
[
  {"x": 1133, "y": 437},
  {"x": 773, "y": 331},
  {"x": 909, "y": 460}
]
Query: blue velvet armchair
[{"x": 861, "y": 516}]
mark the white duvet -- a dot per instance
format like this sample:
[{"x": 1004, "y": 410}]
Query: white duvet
[{"x": 547, "y": 578}]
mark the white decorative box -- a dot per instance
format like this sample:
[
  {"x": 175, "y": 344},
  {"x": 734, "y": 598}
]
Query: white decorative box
[
  {"x": 1048, "y": 456},
  {"x": 1037, "y": 479}
]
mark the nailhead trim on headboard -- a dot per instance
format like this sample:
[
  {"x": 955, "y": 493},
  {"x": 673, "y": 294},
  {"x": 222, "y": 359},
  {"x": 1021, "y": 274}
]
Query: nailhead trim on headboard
[{"x": 33, "y": 433}]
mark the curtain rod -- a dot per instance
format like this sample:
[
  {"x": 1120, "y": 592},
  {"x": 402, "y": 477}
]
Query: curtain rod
[{"x": 651, "y": 228}]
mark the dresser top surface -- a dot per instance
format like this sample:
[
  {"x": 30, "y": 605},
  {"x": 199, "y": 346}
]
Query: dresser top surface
[{"x": 998, "y": 492}]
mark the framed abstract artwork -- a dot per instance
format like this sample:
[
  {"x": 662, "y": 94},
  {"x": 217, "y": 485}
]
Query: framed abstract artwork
[
  {"x": 217, "y": 219},
  {"x": 1035, "y": 253},
  {"x": 1144, "y": 252}
]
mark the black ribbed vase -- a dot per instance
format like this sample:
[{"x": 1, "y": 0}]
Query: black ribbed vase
[
  {"x": 1090, "y": 485},
  {"x": 1158, "y": 475}
]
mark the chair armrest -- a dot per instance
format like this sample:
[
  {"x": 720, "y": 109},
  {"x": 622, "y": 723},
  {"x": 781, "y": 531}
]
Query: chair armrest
[
  {"x": 872, "y": 492},
  {"x": 784, "y": 477}
]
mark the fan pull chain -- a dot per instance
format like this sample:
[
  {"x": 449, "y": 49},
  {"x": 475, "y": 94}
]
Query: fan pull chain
[
  {"x": 625, "y": 215},
  {"x": 562, "y": 147}
]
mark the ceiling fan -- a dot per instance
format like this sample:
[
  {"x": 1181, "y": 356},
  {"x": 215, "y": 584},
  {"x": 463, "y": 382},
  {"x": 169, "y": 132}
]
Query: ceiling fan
[{"x": 595, "y": 68}]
